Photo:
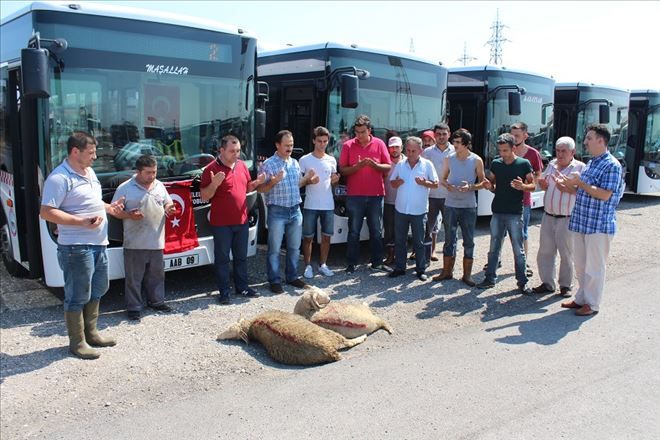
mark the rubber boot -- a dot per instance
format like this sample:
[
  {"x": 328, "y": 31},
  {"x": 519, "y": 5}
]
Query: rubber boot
[
  {"x": 76, "y": 331},
  {"x": 448, "y": 269},
  {"x": 92, "y": 336},
  {"x": 467, "y": 272}
]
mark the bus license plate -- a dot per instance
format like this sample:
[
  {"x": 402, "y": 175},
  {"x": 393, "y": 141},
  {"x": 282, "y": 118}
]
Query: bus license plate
[{"x": 178, "y": 262}]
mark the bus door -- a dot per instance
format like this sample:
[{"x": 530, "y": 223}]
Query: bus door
[
  {"x": 635, "y": 143},
  {"x": 19, "y": 179},
  {"x": 298, "y": 117}
]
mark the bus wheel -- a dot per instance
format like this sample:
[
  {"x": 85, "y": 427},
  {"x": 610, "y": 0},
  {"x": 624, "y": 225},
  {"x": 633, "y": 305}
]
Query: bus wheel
[{"x": 13, "y": 267}]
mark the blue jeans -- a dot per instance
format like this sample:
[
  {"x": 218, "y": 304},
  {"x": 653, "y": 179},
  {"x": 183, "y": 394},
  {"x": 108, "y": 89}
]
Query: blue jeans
[
  {"x": 370, "y": 207},
  {"x": 499, "y": 224},
  {"x": 401, "y": 224},
  {"x": 85, "y": 270},
  {"x": 282, "y": 222},
  {"x": 466, "y": 218},
  {"x": 232, "y": 239}
]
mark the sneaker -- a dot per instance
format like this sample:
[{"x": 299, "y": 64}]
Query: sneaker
[
  {"x": 309, "y": 272},
  {"x": 250, "y": 293},
  {"x": 380, "y": 267},
  {"x": 350, "y": 268},
  {"x": 422, "y": 276},
  {"x": 325, "y": 271},
  {"x": 565, "y": 292},
  {"x": 525, "y": 290},
  {"x": 299, "y": 283},
  {"x": 164, "y": 308},
  {"x": 276, "y": 288},
  {"x": 134, "y": 315},
  {"x": 486, "y": 284}
]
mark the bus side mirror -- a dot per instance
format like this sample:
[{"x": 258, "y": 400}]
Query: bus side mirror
[
  {"x": 350, "y": 91},
  {"x": 604, "y": 114},
  {"x": 514, "y": 103},
  {"x": 260, "y": 123},
  {"x": 34, "y": 71}
]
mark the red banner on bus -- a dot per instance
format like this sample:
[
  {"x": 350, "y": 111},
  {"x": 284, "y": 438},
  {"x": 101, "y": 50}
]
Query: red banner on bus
[{"x": 180, "y": 231}]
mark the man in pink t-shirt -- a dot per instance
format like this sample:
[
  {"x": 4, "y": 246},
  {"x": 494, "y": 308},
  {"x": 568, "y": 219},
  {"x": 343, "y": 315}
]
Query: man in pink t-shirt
[
  {"x": 364, "y": 160},
  {"x": 520, "y": 135}
]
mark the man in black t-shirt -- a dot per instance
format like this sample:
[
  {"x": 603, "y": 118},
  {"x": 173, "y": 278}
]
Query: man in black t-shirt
[{"x": 510, "y": 176}]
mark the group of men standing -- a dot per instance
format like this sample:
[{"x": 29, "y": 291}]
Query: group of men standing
[{"x": 418, "y": 190}]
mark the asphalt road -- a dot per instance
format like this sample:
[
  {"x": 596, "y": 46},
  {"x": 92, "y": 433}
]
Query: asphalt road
[{"x": 543, "y": 373}]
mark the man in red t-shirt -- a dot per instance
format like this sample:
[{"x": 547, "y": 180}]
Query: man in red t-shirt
[
  {"x": 364, "y": 160},
  {"x": 225, "y": 182},
  {"x": 520, "y": 135}
]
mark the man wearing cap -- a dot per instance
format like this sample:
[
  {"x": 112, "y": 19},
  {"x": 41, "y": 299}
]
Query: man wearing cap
[
  {"x": 428, "y": 138},
  {"x": 394, "y": 145},
  {"x": 413, "y": 178},
  {"x": 364, "y": 161},
  {"x": 437, "y": 154},
  {"x": 558, "y": 204}
]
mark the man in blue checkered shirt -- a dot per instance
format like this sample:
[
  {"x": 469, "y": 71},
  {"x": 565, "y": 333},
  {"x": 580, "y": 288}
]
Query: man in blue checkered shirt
[
  {"x": 593, "y": 221},
  {"x": 282, "y": 193}
]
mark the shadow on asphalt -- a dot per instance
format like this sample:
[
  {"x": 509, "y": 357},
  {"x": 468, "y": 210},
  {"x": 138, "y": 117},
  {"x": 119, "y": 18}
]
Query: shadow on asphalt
[{"x": 546, "y": 330}]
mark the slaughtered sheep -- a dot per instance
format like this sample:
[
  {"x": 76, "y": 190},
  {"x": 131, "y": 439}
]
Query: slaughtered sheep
[
  {"x": 349, "y": 320},
  {"x": 291, "y": 339}
]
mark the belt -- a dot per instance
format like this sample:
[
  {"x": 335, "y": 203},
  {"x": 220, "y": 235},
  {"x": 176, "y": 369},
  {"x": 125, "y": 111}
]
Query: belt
[{"x": 556, "y": 216}]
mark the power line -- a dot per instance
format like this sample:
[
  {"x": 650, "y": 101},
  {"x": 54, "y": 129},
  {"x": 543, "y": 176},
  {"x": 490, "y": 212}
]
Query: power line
[
  {"x": 496, "y": 40},
  {"x": 465, "y": 59}
]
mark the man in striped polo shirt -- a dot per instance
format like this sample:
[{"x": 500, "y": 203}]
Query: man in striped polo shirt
[
  {"x": 558, "y": 202},
  {"x": 593, "y": 221}
]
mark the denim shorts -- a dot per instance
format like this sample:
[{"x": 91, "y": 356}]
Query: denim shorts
[{"x": 310, "y": 217}]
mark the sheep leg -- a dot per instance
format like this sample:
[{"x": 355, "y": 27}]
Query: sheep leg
[{"x": 348, "y": 343}]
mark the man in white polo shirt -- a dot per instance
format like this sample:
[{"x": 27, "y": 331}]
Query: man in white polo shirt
[
  {"x": 558, "y": 204},
  {"x": 437, "y": 154},
  {"x": 412, "y": 178},
  {"x": 147, "y": 204}
]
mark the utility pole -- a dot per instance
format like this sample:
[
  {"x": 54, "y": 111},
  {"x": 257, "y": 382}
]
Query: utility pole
[
  {"x": 496, "y": 40},
  {"x": 465, "y": 59}
]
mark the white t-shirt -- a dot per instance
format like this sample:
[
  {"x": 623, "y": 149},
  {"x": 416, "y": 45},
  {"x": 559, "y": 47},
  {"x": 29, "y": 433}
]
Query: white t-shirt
[
  {"x": 411, "y": 197},
  {"x": 319, "y": 196}
]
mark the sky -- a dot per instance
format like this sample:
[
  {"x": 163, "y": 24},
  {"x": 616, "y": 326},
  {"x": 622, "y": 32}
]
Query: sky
[{"x": 608, "y": 43}]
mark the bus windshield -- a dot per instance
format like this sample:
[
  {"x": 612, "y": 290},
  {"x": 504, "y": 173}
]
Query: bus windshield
[
  {"x": 590, "y": 114},
  {"x": 400, "y": 95},
  {"x": 536, "y": 112},
  {"x": 172, "y": 98}
]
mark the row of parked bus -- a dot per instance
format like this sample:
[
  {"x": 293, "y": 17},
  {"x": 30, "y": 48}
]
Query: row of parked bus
[{"x": 143, "y": 82}]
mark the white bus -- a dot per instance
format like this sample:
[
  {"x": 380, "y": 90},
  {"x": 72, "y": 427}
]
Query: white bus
[
  {"x": 141, "y": 82},
  {"x": 318, "y": 85},
  {"x": 487, "y": 100}
]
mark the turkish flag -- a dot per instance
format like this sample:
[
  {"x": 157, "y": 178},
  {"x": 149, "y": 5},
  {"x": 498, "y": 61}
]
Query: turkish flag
[{"x": 180, "y": 231}]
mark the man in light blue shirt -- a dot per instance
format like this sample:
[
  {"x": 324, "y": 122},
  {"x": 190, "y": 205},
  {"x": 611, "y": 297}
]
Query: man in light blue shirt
[
  {"x": 281, "y": 188},
  {"x": 412, "y": 178},
  {"x": 72, "y": 200}
]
